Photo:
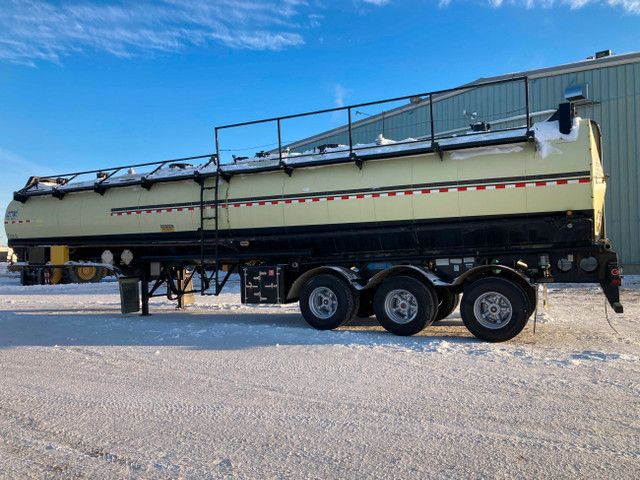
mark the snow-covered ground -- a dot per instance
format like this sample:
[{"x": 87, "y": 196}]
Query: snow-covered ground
[{"x": 223, "y": 390}]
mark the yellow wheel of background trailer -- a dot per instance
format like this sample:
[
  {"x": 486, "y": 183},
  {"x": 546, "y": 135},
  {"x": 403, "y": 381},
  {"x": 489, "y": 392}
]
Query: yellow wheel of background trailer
[
  {"x": 86, "y": 273},
  {"x": 82, "y": 274}
]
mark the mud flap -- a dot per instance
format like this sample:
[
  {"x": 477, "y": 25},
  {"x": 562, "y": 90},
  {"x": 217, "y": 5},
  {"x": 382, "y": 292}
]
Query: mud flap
[{"x": 129, "y": 295}]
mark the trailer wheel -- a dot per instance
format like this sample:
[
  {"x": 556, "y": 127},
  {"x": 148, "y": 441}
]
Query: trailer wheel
[
  {"x": 494, "y": 309},
  {"x": 328, "y": 302},
  {"x": 83, "y": 274},
  {"x": 447, "y": 303},
  {"x": 405, "y": 305}
]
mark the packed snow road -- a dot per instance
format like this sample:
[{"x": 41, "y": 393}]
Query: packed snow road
[{"x": 229, "y": 391}]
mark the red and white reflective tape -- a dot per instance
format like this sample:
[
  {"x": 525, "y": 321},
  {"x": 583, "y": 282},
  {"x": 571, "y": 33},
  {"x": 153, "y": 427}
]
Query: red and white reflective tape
[
  {"x": 154, "y": 210},
  {"x": 366, "y": 195},
  {"x": 17, "y": 221},
  {"x": 408, "y": 192}
]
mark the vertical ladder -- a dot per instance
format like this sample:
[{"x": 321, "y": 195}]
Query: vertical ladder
[{"x": 203, "y": 218}]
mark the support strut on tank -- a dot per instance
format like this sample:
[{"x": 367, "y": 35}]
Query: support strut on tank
[
  {"x": 99, "y": 188},
  {"x": 56, "y": 193},
  {"x": 287, "y": 169},
  {"x": 145, "y": 183},
  {"x": 356, "y": 159},
  {"x": 19, "y": 197},
  {"x": 438, "y": 150}
]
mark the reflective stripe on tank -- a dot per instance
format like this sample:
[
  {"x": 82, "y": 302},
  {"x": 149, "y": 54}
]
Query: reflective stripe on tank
[{"x": 361, "y": 196}]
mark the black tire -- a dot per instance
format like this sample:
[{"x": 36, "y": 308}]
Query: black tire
[
  {"x": 328, "y": 302},
  {"x": 447, "y": 302},
  {"x": 405, "y": 305},
  {"x": 366, "y": 303},
  {"x": 509, "y": 301},
  {"x": 82, "y": 274}
]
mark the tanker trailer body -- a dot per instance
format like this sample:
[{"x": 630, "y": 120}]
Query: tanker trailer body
[{"x": 398, "y": 230}]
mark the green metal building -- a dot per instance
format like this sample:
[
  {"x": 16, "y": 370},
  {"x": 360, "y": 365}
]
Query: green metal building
[{"x": 608, "y": 89}]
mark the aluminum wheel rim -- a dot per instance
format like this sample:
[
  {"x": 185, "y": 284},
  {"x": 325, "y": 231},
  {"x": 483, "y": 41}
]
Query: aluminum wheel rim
[
  {"x": 323, "y": 302},
  {"x": 493, "y": 310},
  {"x": 401, "y": 306}
]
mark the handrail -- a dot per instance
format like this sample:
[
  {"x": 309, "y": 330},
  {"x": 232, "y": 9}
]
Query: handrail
[
  {"x": 377, "y": 102},
  {"x": 147, "y": 164},
  {"x": 100, "y": 183},
  {"x": 348, "y": 108}
]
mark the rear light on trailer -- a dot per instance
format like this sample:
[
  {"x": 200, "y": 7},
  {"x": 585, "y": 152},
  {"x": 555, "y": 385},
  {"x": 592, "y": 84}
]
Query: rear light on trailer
[{"x": 614, "y": 274}]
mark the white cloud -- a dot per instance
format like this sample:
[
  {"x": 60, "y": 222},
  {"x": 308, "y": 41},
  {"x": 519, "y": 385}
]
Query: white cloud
[
  {"x": 338, "y": 95},
  {"x": 629, "y": 6},
  {"x": 378, "y": 3},
  {"x": 35, "y": 30},
  {"x": 13, "y": 164}
]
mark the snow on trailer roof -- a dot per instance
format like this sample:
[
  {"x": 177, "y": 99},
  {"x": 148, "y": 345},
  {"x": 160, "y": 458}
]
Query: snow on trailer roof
[
  {"x": 543, "y": 133},
  {"x": 474, "y": 143}
]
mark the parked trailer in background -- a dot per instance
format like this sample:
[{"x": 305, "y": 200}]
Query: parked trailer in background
[{"x": 396, "y": 229}]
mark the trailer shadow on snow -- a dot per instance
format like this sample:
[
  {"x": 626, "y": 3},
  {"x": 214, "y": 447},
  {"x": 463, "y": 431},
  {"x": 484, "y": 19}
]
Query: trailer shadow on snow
[{"x": 76, "y": 326}]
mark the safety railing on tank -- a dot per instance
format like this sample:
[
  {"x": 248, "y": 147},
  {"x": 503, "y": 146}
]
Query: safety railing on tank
[
  {"x": 105, "y": 178},
  {"x": 60, "y": 184},
  {"x": 431, "y": 135}
]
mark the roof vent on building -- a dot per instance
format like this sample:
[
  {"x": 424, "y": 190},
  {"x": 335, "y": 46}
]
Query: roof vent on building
[{"x": 603, "y": 53}]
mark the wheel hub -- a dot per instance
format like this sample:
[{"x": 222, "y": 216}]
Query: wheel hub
[
  {"x": 493, "y": 310},
  {"x": 323, "y": 302},
  {"x": 401, "y": 306}
]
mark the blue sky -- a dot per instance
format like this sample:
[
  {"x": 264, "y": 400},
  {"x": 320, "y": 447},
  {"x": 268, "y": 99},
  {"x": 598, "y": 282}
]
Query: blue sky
[{"x": 88, "y": 85}]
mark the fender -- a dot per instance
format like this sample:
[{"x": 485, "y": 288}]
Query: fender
[
  {"x": 349, "y": 275},
  {"x": 509, "y": 272},
  {"x": 423, "y": 272}
]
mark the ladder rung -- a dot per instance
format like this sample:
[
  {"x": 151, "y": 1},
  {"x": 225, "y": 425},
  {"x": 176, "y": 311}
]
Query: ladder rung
[{"x": 214, "y": 217}]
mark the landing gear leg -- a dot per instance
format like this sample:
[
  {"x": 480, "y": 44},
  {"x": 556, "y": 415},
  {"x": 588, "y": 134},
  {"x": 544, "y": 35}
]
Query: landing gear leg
[{"x": 144, "y": 287}]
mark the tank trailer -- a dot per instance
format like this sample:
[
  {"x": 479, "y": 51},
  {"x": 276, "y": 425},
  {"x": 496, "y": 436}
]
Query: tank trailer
[{"x": 399, "y": 230}]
